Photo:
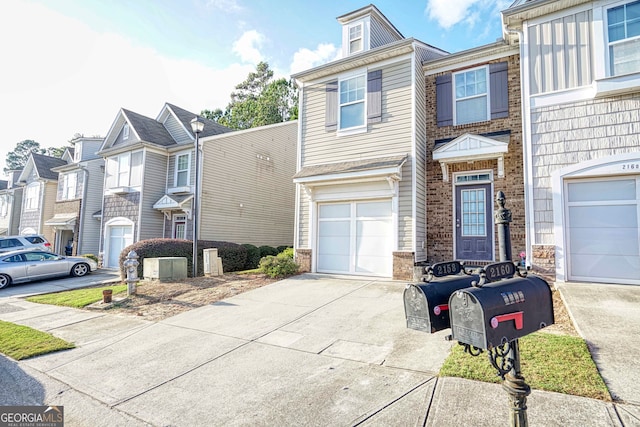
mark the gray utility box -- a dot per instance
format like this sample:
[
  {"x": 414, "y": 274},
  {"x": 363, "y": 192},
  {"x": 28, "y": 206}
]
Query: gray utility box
[
  {"x": 500, "y": 312},
  {"x": 165, "y": 269}
]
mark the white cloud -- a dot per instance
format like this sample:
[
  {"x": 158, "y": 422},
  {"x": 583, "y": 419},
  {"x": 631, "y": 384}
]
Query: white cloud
[
  {"x": 449, "y": 13},
  {"x": 65, "y": 78},
  {"x": 225, "y": 5},
  {"x": 305, "y": 59},
  {"x": 248, "y": 45}
]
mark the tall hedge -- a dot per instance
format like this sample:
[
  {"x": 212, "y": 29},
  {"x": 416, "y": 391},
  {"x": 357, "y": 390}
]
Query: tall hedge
[{"x": 233, "y": 256}]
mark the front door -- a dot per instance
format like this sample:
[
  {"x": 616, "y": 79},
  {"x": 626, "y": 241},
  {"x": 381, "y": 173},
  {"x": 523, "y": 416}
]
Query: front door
[{"x": 473, "y": 222}]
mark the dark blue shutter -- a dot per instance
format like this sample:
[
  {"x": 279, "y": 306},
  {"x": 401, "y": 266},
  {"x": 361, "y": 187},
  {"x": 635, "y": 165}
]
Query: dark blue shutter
[
  {"x": 331, "y": 110},
  {"x": 444, "y": 100},
  {"x": 498, "y": 84},
  {"x": 374, "y": 96}
]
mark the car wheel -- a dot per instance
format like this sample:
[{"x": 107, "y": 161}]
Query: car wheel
[
  {"x": 80, "y": 270},
  {"x": 4, "y": 281}
]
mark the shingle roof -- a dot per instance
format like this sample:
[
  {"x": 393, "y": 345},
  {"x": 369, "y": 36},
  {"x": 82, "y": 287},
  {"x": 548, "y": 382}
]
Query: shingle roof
[
  {"x": 43, "y": 165},
  {"x": 210, "y": 127},
  {"x": 350, "y": 167},
  {"x": 148, "y": 129}
]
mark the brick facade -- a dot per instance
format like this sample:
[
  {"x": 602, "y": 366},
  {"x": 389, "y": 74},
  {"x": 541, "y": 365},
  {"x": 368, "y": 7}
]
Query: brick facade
[
  {"x": 440, "y": 208},
  {"x": 403, "y": 266}
]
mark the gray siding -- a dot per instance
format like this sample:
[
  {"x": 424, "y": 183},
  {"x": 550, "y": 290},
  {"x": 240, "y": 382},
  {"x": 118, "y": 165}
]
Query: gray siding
[
  {"x": 175, "y": 128},
  {"x": 92, "y": 202},
  {"x": 420, "y": 156},
  {"x": 560, "y": 53},
  {"x": 153, "y": 188},
  {"x": 567, "y": 134},
  {"x": 380, "y": 34},
  {"x": 16, "y": 212},
  {"x": 47, "y": 209},
  {"x": 121, "y": 206},
  {"x": 247, "y": 186},
  {"x": 390, "y": 137}
]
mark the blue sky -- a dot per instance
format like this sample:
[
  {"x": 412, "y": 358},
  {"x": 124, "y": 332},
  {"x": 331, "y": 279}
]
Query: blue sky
[{"x": 70, "y": 65}]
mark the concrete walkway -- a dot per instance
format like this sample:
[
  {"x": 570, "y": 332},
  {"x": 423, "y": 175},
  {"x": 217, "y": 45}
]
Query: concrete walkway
[{"x": 312, "y": 350}]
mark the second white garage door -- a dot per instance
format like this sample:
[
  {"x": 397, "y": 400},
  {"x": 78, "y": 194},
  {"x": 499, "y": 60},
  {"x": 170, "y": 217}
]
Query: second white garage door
[
  {"x": 603, "y": 230},
  {"x": 355, "y": 238}
]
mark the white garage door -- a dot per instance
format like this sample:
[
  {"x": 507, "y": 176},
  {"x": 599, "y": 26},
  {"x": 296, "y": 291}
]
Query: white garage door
[
  {"x": 603, "y": 232},
  {"x": 355, "y": 238}
]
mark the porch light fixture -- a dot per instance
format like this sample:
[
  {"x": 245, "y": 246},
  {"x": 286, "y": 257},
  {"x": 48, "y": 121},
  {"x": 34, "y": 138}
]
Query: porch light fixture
[{"x": 197, "y": 125}]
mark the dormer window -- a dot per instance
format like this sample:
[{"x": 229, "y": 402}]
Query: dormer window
[
  {"x": 355, "y": 38},
  {"x": 77, "y": 153},
  {"x": 125, "y": 131}
]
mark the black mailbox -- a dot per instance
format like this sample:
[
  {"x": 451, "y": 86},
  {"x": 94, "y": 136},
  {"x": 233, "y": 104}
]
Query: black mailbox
[
  {"x": 426, "y": 306},
  {"x": 500, "y": 312}
]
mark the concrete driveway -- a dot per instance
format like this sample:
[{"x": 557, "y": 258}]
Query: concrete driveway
[{"x": 311, "y": 350}]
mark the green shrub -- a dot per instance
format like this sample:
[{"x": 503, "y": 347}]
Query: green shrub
[
  {"x": 282, "y": 248},
  {"x": 91, "y": 256},
  {"x": 233, "y": 255},
  {"x": 267, "y": 250},
  {"x": 279, "y": 266},
  {"x": 287, "y": 252},
  {"x": 253, "y": 256}
]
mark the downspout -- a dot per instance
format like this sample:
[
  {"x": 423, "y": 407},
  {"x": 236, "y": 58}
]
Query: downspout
[
  {"x": 526, "y": 152},
  {"x": 296, "y": 219},
  {"x": 83, "y": 207}
]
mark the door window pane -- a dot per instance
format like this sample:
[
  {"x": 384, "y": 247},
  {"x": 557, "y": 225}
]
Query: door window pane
[{"x": 473, "y": 217}]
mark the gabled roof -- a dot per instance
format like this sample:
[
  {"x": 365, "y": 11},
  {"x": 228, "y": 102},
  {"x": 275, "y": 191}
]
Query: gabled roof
[
  {"x": 369, "y": 10},
  {"x": 42, "y": 166},
  {"x": 210, "y": 127},
  {"x": 148, "y": 129}
]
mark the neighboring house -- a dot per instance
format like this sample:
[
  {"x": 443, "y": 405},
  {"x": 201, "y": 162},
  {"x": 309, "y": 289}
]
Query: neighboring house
[
  {"x": 40, "y": 184},
  {"x": 11, "y": 205},
  {"x": 247, "y": 195},
  {"x": 79, "y": 195},
  {"x": 140, "y": 154},
  {"x": 580, "y": 65},
  {"x": 474, "y": 149},
  {"x": 361, "y": 196}
]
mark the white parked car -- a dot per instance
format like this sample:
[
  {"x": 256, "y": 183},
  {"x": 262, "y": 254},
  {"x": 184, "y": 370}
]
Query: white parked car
[
  {"x": 32, "y": 241},
  {"x": 27, "y": 265}
]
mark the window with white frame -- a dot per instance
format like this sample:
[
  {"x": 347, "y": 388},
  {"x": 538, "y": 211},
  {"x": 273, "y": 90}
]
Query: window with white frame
[
  {"x": 77, "y": 153},
  {"x": 623, "y": 31},
  {"x": 125, "y": 131},
  {"x": 4, "y": 205},
  {"x": 183, "y": 166},
  {"x": 352, "y": 105},
  {"x": 179, "y": 226},
  {"x": 124, "y": 170},
  {"x": 355, "y": 39},
  {"x": 471, "y": 96},
  {"x": 31, "y": 194},
  {"x": 69, "y": 184}
]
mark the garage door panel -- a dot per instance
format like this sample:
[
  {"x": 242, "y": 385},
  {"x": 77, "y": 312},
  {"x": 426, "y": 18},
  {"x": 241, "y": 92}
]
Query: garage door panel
[
  {"x": 598, "y": 191},
  {"x": 603, "y": 216},
  {"x": 355, "y": 237},
  {"x": 604, "y": 241},
  {"x": 333, "y": 263},
  {"x": 602, "y": 230},
  {"x": 605, "y": 267}
]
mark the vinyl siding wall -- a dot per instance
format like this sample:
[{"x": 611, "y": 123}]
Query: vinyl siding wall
[
  {"x": 247, "y": 186},
  {"x": 560, "y": 53},
  {"x": 380, "y": 34},
  {"x": 153, "y": 188},
  {"x": 90, "y": 227},
  {"x": 175, "y": 128},
  {"x": 47, "y": 209},
  {"x": 390, "y": 137},
  {"x": 567, "y": 134}
]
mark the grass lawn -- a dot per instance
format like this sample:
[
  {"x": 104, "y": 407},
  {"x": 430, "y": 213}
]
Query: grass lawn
[
  {"x": 77, "y": 298},
  {"x": 559, "y": 363},
  {"x": 21, "y": 342}
]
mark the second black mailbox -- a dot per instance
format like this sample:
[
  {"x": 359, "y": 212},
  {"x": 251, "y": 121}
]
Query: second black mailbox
[
  {"x": 426, "y": 306},
  {"x": 500, "y": 312}
]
